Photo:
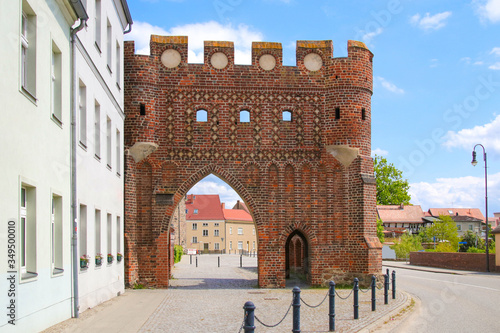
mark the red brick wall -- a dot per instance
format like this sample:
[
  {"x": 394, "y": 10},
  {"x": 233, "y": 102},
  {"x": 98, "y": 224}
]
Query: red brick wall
[
  {"x": 280, "y": 169},
  {"x": 460, "y": 261}
]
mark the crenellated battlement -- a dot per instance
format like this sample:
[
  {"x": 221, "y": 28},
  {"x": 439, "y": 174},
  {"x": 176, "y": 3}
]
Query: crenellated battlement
[{"x": 312, "y": 56}]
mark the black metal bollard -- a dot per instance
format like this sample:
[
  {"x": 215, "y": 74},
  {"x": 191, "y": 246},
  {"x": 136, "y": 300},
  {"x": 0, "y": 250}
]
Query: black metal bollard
[
  {"x": 386, "y": 289},
  {"x": 196, "y": 261},
  {"x": 249, "y": 317},
  {"x": 356, "y": 298},
  {"x": 296, "y": 309},
  {"x": 190, "y": 259},
  {"x": 218, "y": 261},
  {"x": 393, "y": 284},
  {"x": 374, "y": 281},
  {"x": 331, "y": 308},
  {"x": 241, "y": 260}
]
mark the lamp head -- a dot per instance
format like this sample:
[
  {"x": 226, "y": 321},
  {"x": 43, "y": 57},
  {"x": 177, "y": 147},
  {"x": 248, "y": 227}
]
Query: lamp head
[{"x": 474, "y": 161}]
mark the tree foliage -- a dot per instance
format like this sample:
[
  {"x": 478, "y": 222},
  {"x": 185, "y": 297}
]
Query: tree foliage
[
  {"x": 406, "y": 244},
  {"x": 392, "y": 189},
  {"x": 471, "y": 241},
  {"x": 444, "y": 229},
  {"x": 178, "y": 251},
  {"x": 380, "y": 230}
]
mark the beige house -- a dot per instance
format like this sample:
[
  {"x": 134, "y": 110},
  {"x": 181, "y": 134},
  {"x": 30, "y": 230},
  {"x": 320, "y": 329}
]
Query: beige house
[{"x": 210, "y": 228}]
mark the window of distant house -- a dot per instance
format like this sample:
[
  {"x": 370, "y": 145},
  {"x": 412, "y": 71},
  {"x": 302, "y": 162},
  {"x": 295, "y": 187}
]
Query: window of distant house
[
  {"x": 244, "y": 116},
  {"x": 108, "y": 142},
  {"x": 471, "y": 227},
  {"x": 253, "y": 231},
  {"x": 216, "y": 224},
  {"x": 216, "y": 246},
  {"x": 118, "y": 152},
  {"x": 459, "y": 227},
  {"x": 216, "y": 232},
  {"x": 240, "y": 245},
  {"x": 118, "y": 235},
  {"x": 240, "y": 231},
  {"x": 28, "y": 50},
  {"x": 109, "y": 44},
  {"x": 287, "y": 115},
  {"x": 97, "y": 231},
  {"x": 118, "y": 65},
  {"x": 205, "y": 232},
  {"x": 230, "y": 245},
  {"x": 201, "y": 115},
  {"x": 253, "y": 245},
  {"x": 230, "y": 230},
  {"x": 195, "y": 226},
  {"x": 82, "y": 241},
  {"x": 196, "y": 211},
  {"x": 194, "y": 240},
  {"x": 205, "y": 224},
  {"x": 109, "y": 234},
  {"x": 187, "y": 210}
]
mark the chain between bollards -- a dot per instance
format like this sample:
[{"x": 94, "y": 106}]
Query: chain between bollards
[
  {"x": 296, "y": 310},
  {"x": 331, "y": 310}
]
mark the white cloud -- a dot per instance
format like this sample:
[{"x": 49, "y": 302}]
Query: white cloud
[
  {"x": 379, "y": 152},
  {"x": 390, "y": 86},
  {"x": 478, "y": 63},
  {"x": 368, "y": 36},
  {"x": 495, "y": 51},
  {"x": 461, "y": 192},
  {"x": 467, "y": 138},
  {"x": 488, "y": 10},
  {"x": 214, "y": 185},
  {"x": 429, "y": 22},
  {"x": 434, "y": 63},
  {"x": 197, "y": 33},
  {"x": 495, "y": 66}
]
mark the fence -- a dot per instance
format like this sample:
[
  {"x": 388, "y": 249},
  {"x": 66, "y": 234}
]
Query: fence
[{"x": 248, "y": 324}]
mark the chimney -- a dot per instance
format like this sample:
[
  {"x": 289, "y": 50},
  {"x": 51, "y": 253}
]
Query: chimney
[
  {"x": 223, "y": 205},
  {"x": 456, "y": 213}
]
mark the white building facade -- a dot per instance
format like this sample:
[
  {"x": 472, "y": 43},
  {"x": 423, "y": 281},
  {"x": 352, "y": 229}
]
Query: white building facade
[
  {"x": 35, "y": 90},
  {"x": 99, "y": 151}
]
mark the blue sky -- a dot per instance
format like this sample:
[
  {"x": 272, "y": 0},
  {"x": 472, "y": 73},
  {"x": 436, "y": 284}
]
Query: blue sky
[{"x": 436, "y": 76}]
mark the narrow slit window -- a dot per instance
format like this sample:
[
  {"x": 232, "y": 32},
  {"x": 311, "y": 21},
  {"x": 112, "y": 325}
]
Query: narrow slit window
[
  {"x": 287, "y": 115},
  {"x": 363, "y": 114},
  {"x": 142, "y": 109},
  {"x": 201, "y": 115},
  {"x": 244, "y": 116},
  {"x": 337, "y": 113}
]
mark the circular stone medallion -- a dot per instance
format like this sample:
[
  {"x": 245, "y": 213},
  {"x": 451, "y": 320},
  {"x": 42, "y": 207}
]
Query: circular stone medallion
[
  {"x": 267, "y": 62},
  {"x": 171, "y": 58},
  {"x": 219, "y": 60},
  {"x": 313, "y": 62}
]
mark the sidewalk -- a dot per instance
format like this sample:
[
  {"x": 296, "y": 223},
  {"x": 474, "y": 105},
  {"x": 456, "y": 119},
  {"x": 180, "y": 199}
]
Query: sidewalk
[
  {"x": 208, "y": 298},
  {"x": 406, "y": 265}
]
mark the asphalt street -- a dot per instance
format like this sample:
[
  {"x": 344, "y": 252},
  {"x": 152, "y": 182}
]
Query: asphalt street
[{"x": 463, "y": 302}]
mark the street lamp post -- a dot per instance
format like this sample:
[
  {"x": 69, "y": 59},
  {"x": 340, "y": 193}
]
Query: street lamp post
[{"x": 474, "y": 163}]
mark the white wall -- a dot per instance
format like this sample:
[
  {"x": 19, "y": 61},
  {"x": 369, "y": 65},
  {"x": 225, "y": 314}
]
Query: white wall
[
  {"x": 35, "y": 150},
  {"x": 99, "y": 186}
]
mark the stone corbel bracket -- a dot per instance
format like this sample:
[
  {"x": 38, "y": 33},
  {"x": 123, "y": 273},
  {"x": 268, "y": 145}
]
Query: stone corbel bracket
[
  {"x": 141, "y": 150},
  {"x": 342, "y": 153}
]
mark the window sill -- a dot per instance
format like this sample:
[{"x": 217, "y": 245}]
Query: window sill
[
  {"x": 57, "y": 271},
  {"x": 28, "y": 276},
  {"x": 118, "y": 86},
  {"x": 118, "y": 175},
  {"x": 98, "y": 48},
  {"x": 83, "y": 146},
  {"x": 108, "y": 166},
  {"x": 29, "y": 95},
  {"x": 109, "y": 69},
  {"x": 97, "y": 158},
  {"x": 57, "y": 121}
]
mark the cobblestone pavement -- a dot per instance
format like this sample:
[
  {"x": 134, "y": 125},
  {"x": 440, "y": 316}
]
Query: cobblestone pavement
[{"x": 209, "y": 298}]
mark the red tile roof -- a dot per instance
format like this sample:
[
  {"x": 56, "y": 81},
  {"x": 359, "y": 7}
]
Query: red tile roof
[
  {"x": 471, "y": 212},
  {"x": 208, "y": 206},
  {"x": 237, "y": 215},
  {"x": 241, "y": 205},
  {"x": 401, "y": 214}
]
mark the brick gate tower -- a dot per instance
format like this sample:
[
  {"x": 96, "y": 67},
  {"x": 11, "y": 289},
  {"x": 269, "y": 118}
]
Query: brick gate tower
[{"x": 293, "y": 141}]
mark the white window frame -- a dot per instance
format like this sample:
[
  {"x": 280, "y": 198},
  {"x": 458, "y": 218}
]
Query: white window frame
[
  {"x": 109, "y": 156},
  {"x": 240, "y": 231},
  {"x": 205, "y": 224},
  {"x": 28, "y": 51},
  {"x": 118, "y": 152},
  {"x": 205, "y": 232},
  {"x": 28, "y": 231},
  {"x": 97, "y": 130},
  {"x": 230, "y": 245},
  {"x": 195, "y": 226},
  {"x": 194, "y": 240},
  {"x": 240, "y": 245},
  {"x": 98, "y": 25},
  {"x": 230, "y": 230},
  {"x": 216, "y": 233},
  {"x": 56, "y": 235},
  {"x": 23, "y": 229},
  {"x": 56, "y": 83},
  {"x": 216, "y": 246},
  {"x": 82, "y": 106}
]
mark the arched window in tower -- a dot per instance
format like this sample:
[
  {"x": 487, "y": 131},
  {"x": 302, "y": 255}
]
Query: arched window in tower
[
  {"x": 201, "y": 115},
  {"x": 287, "y": 115},
  {"x": 244, "y": 116}
]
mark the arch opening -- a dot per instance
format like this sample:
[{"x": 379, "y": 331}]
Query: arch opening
[{"x": 297, "y": 257}]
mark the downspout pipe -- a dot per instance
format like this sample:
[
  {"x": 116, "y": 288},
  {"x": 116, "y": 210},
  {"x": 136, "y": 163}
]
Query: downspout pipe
[{"x": 82, "y": 15}]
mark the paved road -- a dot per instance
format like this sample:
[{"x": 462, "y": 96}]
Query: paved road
[{"x": 463, "y": 302}]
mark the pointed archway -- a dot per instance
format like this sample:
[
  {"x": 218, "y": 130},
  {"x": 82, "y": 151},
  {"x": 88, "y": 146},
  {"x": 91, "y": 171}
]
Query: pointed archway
[{"x": 297, "y": 255}]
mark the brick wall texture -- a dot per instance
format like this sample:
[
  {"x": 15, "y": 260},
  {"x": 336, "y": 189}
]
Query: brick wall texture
[
  {"x": 460, "y": 261},
  {"x": 281, "y": 169}
]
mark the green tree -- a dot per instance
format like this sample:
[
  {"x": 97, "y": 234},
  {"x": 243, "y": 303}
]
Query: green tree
[
  {"x": 444, "y": 229},
  {"x": 471, "y": 240},
  {"x": 406, "y": 244},
  {"x": 380, "y": 230},
  {"x": 392, "y": 189}
]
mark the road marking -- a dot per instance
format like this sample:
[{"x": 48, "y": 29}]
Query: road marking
[{"x": 458, "y": 283}]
